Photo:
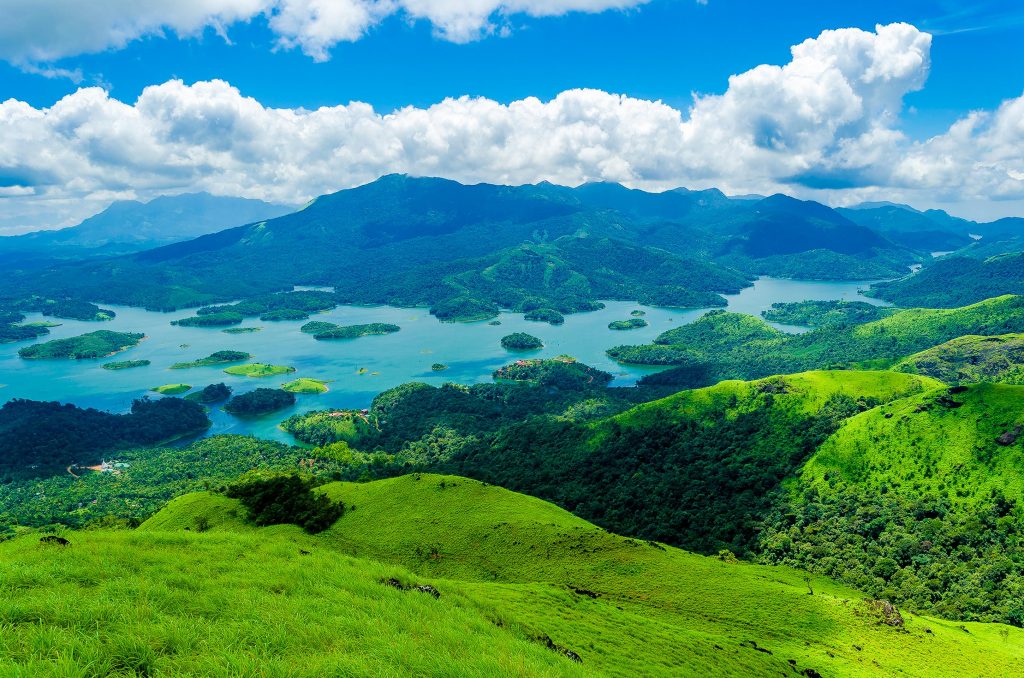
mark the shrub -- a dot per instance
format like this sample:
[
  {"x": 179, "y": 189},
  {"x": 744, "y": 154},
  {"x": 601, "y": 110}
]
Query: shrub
[{"x": 280, "y": 499}]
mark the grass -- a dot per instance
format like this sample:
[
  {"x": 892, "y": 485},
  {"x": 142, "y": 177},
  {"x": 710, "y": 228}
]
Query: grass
[
  {"x": 512, "y": 571},
  {"x": 259, "y": 370},
  {"x": 971, "y": 359},
  {"x": 172, "y": 389},
  {"x": 306, "y": 385}
]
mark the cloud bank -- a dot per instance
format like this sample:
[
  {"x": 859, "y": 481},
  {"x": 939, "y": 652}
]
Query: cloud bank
[
  {"x": 824, "y": 125},
  {"x": 46, "y": 30}
]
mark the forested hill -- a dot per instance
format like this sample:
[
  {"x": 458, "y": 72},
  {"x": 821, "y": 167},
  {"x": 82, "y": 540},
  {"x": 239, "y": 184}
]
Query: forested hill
[{"x": 412, "y": 241}]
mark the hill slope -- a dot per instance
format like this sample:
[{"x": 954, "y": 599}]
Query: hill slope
[
  {"x": 520, "y": 582},
  {"x": 955, "y": 281},
  {"x": 920, "y": 500},
  {"x": 971, "y": 359}
]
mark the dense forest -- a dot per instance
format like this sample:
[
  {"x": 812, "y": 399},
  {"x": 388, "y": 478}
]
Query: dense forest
[{"x": 41, "y": 438}]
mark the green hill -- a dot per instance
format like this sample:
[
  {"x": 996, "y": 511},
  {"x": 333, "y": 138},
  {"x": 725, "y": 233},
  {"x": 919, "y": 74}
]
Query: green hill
[
  {"x": 919, "y": 500},
  {"x": 522, "y": 587},
  {"x": 955, "y": 281},
  {"x": 970, "y": 360},
  {"x": 735, "y": 346}
]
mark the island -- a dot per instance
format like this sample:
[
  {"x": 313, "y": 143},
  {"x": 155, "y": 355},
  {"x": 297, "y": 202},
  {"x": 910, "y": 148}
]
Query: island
[
  {"x": 258, "y": 370},
  {"x": 825, "y": 313},
  {"x": 638, "y": 313},
  {"x": 306, "y": 385},
  {"x": 563, "y": 372},
  {"x": 216, "y": 358},
  {"x": 172, "y": 389},
  {"x": 259, "y": 402},
  {"x": 125, "y": 364},
  {"x": 285, "y": 314},
  {"x": 322, "y": 330},
  {"x": 76, "y": 310},
  {"x": 438, "y": 367},
  {"x": 521, "y": 341},
  {"x": 545, "y": 315},
  {"x": 631, "y": 324},
  {"x": 241, "y": 330},
  {"x": 211, "y": 320},
  {"x": 97, "y": 344},
  {"x": 213, "y": 393}
]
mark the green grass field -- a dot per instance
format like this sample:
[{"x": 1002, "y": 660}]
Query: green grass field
[
  {"x": 306, "y": 385},
  {"x": 259, "y": 370},
  {"x": 172, "y": 389},
  {"x": 971, "y": 359},
  {"x": 196, "y": 591}
]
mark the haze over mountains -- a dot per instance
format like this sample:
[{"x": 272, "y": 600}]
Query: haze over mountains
[{"x": 130, "y": 226}]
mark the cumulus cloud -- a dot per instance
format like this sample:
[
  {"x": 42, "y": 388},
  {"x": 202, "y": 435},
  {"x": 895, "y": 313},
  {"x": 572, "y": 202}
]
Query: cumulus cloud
[
  {"x": 823, "y": 125},
  {"x": 40, "y": 31}
]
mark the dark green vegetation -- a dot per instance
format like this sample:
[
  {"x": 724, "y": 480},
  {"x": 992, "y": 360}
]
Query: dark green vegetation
[
  {"x": 971, "y": 360},
  {"x": 320, "y": 330},
  {"x": 40, "y": 439},
  {"x": 735, "y": 346},
  {"x": 259, "y": 402},
  {"x": 521, "y": 341},
  {"x": 214, "y": 393},
  {"x": 494, "y": 583},
  {"x": 70, "y": 309},
  {"x": 211, "y": 320},
  {"x": 12, "y": 332},
  {"x": 285, "y": 499},
  {"x": 215, "y": 358},
  {"x": 285, "y": 314},
  {"x": 955, "y": 281},
  {"x": 562, "y": 372},
  {"x": 125, "y": 364},
  {"x": 631, "y": 324},
  {"x": 147, "y": 479},
  {"x": 918, "y": 501},
  {"x": 97, "y": 344},
  {"x": 822, "y": 313},
  {"x": 241, "y": 330},
  {"x": 438, "y": 367},
  {"x": 545, "y": 315}
]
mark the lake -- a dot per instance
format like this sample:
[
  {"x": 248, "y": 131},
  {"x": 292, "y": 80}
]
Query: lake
[{"x": 358, "y": 369}]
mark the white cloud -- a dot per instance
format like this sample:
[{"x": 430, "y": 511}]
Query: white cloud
[
  {"x": 41, "y": 31},
  {"x": 824, "y": 125}
]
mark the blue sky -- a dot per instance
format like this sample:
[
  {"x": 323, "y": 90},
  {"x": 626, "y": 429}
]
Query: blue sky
[
  {"x": 664, "y": 50},
  {"x": 656, "y": 51}
]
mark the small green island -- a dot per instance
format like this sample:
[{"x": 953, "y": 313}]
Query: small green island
[
  {"x": 216, "y": 358},
  {"x": 99, "y": 344},
  {"x": 214, "y": 393},
  {"x": 172, "y": 389},
  {"x": 259, "y": 402},
  {"x": 631, "y": 324},
  {"x": 545, "y": 315},
  {"x": 242, "y": 330},
  {"x": 284, "y": 314},
  {"x": 258, "y": 370},
  {"x": 638, "y": 313},
  {"x": 521, "y": 341},
  {"x": 211, "y": 320},
  {"x": 125, "y": 364},
  {"x": 323, "y": 330},
  {"x": 438, "y": 367},
  {"x": 306, "y": 385}
]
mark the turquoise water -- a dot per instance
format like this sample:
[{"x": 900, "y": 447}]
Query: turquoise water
[{"x": 358, "y": 369}]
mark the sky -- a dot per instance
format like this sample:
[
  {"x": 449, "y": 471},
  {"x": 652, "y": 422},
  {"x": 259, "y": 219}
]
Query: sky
[{"x": 283, "y": 100}]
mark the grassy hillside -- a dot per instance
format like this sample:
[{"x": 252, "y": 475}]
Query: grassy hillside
[
  {"x": 695, "y": 469},
  {"x": 734, "y": 346},
  {"x": 520, "y": 583},
  {"x": 970, "y": 360},
  {"x": 919, "y": 500}
]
